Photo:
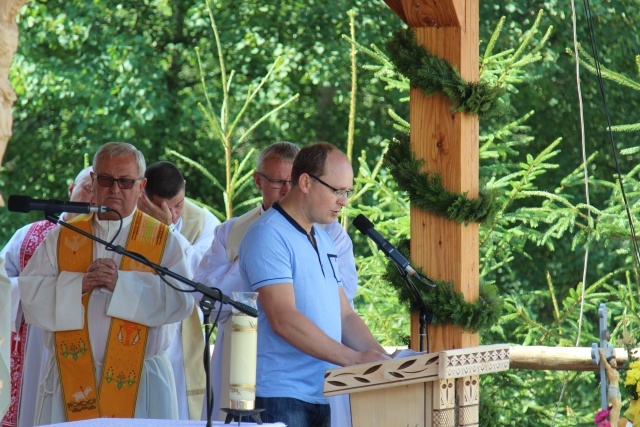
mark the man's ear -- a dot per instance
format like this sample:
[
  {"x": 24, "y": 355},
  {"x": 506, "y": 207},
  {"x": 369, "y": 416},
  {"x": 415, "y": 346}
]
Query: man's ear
[
  {"x": 304, "y": 182},
  {"x": 256, "y": 180}
]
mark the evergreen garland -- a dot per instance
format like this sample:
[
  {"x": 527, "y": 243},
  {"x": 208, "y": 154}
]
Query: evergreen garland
[
  {"x": 433, "y": 74},
  {"x": 448, "y": 305},
  {"x": 426, "y": 190}
]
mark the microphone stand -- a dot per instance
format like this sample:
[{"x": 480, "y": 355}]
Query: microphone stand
[
  {"x": 207, "y": 303},
  {"x": 425, "y": 315}
]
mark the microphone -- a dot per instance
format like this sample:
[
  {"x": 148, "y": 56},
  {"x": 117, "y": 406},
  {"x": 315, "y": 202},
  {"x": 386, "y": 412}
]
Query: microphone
[
  {"x": 366, "y": 227},
  {"x": 27, "y": 204}
]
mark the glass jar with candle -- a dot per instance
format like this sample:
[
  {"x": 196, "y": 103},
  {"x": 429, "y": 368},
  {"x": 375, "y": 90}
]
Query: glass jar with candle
[{"x": 244, "y": 352}]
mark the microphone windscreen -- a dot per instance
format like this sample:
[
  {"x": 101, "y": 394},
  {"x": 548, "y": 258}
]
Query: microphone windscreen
[
  {"x": 362, "y": 223},
  {"x": 19, "y": 204}
]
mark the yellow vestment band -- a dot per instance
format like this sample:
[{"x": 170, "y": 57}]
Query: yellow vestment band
[{"x": 126, "y": 343}]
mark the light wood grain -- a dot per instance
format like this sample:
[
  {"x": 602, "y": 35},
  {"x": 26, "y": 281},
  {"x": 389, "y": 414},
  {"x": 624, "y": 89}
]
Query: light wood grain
[{"x": 8, "y": 46}]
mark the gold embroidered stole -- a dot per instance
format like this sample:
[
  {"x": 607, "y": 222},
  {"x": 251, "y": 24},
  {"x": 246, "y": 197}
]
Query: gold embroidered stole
[{"x": 126, "y": 343}]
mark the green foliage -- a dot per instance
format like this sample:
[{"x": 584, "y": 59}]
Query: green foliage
[
  {"x": 434, "y": 75},
  {"x": 96, "y": 71},
  {"x": 426, "y": 190},
  {"x": 232, "y": 137},
  {"x": 535, "y": 213},
  {"x": 446, "y": 304},
  {"x": 91, "y": 72}
]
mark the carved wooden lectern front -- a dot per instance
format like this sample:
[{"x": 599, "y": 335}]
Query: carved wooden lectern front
[{"x": 427, "y": 390}]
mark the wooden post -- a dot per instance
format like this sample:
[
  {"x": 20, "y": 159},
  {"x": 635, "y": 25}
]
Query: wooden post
[
  {"x": 8, "y": 46},
  {"x": 448, "y": 143}
]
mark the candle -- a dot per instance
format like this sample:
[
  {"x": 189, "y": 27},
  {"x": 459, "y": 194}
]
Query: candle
[{"x": 244, "y": 350}]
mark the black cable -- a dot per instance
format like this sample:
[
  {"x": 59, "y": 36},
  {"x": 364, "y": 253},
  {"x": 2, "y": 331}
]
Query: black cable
[
  {"x": 596, "y": 58},
  {"x": 119, "y": 227}
]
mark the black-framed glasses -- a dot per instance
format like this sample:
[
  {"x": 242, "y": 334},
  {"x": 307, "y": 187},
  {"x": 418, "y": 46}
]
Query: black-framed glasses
[
  {"x": 276, "y": 184},
  {"x": 336, "y": 192},
  {"x": 123, "y": 183}
]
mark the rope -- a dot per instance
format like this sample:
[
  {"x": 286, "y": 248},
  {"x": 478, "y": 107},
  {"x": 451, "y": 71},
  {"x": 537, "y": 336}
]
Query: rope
[
  {"x": 636, "y": 252},
  {"x": 584, "y": 165},
  {"x": 596, "y": 58},
  {"x": 586, "y": 190}
]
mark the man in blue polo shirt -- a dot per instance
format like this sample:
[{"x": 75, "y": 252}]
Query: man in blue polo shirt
[{"x": 306, "y": 324}]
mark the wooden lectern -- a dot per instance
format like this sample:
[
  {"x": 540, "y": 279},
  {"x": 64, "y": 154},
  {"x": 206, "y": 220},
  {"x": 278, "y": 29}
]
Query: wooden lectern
[{"x": 427, "y": 390}]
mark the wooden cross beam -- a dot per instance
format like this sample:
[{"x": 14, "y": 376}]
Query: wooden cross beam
[
  {"x": 8, "y": 46},
  {"x": 448, "y": 143}
]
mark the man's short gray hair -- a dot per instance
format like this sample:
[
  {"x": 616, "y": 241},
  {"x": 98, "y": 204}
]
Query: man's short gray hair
[
  {"x": 117, "y": 149},
  {"x": 283, "y": 151},
  {"x": 84, "y": 172}
]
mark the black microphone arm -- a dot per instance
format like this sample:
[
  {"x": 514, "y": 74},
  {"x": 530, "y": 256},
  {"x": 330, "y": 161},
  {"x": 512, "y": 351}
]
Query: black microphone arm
[
  {"x": 367, "y": 228},
  {"x": 407, "y": 272},
  {"x": 26, "y": 204}
]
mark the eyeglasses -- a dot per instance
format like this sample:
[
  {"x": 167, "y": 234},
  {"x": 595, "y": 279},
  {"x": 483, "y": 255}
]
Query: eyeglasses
[
  {"x": 336, "y": 192},
  {"x": 276, "y": 184},
  {"x": 123, "y": 183}
]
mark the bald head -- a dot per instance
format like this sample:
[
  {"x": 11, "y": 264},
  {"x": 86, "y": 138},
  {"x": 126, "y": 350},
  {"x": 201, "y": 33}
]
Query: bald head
[{"x": 81, "y": 189}]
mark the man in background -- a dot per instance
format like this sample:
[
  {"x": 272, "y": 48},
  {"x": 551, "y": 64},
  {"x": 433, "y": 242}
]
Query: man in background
[
  {"x": 27, "y": 351},
  {"x": 220, "y": 267},
  {"x": 107, "y": 318},
  {"x": 164, "y": 199}
]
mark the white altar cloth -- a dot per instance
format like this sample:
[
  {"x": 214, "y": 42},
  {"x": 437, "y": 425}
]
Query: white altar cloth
[{"x": 139, "y": 422}]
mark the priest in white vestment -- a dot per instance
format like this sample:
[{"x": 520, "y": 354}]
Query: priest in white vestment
[
  {"x": 28, "y": 355},
  {"x": 164, "y": 199},
  {"x": 52, "y": 299},
  {"x": 5, "y": 333}
]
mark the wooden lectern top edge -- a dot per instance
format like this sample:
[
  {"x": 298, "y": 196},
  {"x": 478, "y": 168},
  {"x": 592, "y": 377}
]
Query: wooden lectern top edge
[{"x": 425, "y": 367}]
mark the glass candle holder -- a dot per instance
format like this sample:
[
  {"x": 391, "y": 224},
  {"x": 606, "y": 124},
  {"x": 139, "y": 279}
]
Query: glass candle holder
[{"x": 244, "y": 352}]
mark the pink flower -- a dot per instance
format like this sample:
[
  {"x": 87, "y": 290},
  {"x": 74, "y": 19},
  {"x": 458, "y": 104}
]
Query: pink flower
[{"x": 601, "y": 418}]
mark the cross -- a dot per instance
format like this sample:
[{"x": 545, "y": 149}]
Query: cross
[
  {"x": 16, "y": 341},
  {"x": 603, "y": 314}
]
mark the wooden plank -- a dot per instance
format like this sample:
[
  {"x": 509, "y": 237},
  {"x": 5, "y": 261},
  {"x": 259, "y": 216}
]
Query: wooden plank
[
  {"x": 376, "y": 375},
  {"x": 444, "y": 403},
  {"x": 448, "y": 143},
  {"x": 480, "y": 360},
  {"x": 430, "y": 13},
  {"x": 396, "y": 6},
  {"x": 8, "y": 46},
  {"x": 381, "y": 408},
  {"x": 560, "y": 358},
  {"x": 468, "y": 395},
  {"x": 422, "y": 367}
]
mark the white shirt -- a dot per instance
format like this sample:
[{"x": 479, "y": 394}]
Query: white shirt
[
  {"x": 35, "y": 355},
  {"x": 196, "y": 251},
  {"x": 5, "y": 340},
  {"x": 11, "y": 255}
]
